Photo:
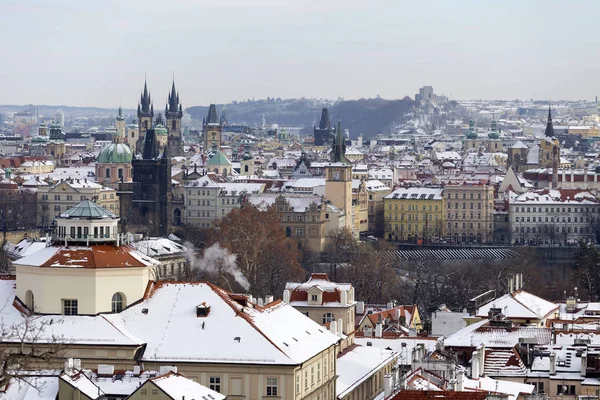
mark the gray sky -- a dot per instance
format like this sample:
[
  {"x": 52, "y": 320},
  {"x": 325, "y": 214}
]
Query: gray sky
[{"x": 95, "y": 53}]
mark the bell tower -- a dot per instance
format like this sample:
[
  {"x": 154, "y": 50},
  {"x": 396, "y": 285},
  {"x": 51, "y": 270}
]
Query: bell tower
[
  {"x": 338, "y": 182},
  {"x": 211, "y": 129},
  {"x": 145, "y": 113},
  {"x": 174, "y": 112}
]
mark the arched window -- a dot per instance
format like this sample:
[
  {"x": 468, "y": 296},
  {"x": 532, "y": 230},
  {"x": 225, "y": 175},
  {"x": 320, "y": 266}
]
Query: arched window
[
  {"x": 107, "y": 172},
  {"x": 246, "y": 168},
  {"x": 30, "y": 300},
  {"x": 118, "y": 302},
  {"x": 328, "y": 317},
  {"x": 173, "y": 125},
  {"x": 288, "y": 231}
]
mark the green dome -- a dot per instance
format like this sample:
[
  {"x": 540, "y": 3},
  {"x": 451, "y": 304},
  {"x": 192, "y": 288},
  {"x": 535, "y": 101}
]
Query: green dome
[
  {"x": 115, "y": 153},
  {"x": 160, "y": 130}
]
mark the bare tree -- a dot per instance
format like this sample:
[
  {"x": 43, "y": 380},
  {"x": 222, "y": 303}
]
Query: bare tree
[{"x": 26, "y": 346}]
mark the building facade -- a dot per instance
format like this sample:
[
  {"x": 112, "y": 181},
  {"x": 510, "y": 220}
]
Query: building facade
[
  {"x": 469, "y": 209},
  {"x": 414, "y": 213}
]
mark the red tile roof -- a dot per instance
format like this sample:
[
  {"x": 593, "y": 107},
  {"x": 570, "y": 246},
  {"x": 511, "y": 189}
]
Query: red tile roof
[
  {"x": 97, "y": 256},
  {"x": 434, "y": 394}
]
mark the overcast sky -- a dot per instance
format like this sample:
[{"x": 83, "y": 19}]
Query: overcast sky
[{"x": 95, "y": 53}]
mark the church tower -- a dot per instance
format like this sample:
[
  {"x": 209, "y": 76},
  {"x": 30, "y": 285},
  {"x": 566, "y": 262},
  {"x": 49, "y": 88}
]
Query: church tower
[
  {"x": 150, "y": 212},
  {"x": 247, "y": 163},
  {"x": 338, "y": 182},
  {"x": 324, "y": 134},
  {"x": 174, "y": 112},
  {"x": 145, "y": 113},
  {"x": 120, "y": 124},
  {"x": 211, "y": 129}
]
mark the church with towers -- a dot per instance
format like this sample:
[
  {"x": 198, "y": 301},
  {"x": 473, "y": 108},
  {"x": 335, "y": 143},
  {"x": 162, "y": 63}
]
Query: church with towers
[{"x": 147, "y": 200}]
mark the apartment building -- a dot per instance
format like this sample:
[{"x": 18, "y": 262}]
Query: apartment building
[
  {"x": 553, "y": 216},
  {"x": 414, "y": 213},
  {"x": 210, "y": 198},
  {"x": 469, "y": 211},
  {"x": 58, "y": 198}
]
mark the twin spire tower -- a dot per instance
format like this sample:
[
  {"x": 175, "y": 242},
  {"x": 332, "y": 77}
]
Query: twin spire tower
[{"x": 173, "y": 114}]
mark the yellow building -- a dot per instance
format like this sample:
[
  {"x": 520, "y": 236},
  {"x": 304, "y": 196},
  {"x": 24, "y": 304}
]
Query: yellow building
[
  {"x": 469, "y": 209},
  {"x": 376, "y": 190},
  {"x": 360, "y": 205},
  {"x": 56, "y": 199},
  {"x": 586, "y": 132},
  {"x": 414, "y": 213}
]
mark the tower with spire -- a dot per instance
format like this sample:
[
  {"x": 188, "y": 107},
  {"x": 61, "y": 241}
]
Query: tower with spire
[
  {"x": 145, "y": 113},
  {"x": 211, "y": 129},
  {"x": 338, "y": 182},
  {"x": 173, "y": 113},
  {"x": 324, "y": 133},
  {"x": 151, "y": 212},
  {"x": 549, "y": 127}
]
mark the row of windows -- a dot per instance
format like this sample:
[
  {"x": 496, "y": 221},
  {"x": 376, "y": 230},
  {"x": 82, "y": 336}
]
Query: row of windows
[
  {"x": 551, "y": 209},
  {"x": 83, "y": 232},
  {"x": 464, "y": 216},
  {"x": 412, "y": 207},
  {"x": 69, "y": 197},
  {"x": 556, "y": 229},
  {"x": 464, "y": 205},
  {"x": 551, "y": 219},
  {"x": 410, "y": 217},
  {"x": 464, "y": 196},
  {"x": 409, "y": 227},
  {"x": 71, "y": 306},
  {"x": 464, "y": 225}
]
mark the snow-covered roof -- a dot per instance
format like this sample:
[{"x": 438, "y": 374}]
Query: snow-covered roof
[
  {"x": 73, "y": 329},
  {"x": 231, "y": 332},
  {"x": 80, "y": 381},
  {"x": 32, "y": 388},
  {"x": 298, "y": 202},
  {"x": 416, "y": 193},
  {"x": 519, "y": 305},
  {"x": 155, "y": 247},
  {"x": 308, "y": 183},
  {"x": 96, "y": 256},
  {"x": 550, "y": 196},
  {"x": 495, "y": 337},
  {"x": 179, "y": 387},
  {"x": 358, "y": 365},
  {"x": 401, "y": 345}
]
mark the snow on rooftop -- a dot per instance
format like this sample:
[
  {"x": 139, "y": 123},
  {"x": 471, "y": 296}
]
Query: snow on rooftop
[
  {"x": 180, "y": 387},
  {"x": 404, "y": 346},
  {"x": 33, "y": 388},
  {"x": 519, "y": 305},
  {"x": 358, "y": 365},
  {"x": 78, "y": 380},
  {"x": 495, "y": 337},
  {"x": 276, "y": 335}
]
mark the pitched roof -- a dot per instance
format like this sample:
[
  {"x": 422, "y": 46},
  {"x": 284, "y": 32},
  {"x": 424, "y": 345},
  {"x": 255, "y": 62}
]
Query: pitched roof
[
  {"x": 96, "y": 256},
  {"x": 234, "y": 331},
  {"x": 179, "y": 387}
]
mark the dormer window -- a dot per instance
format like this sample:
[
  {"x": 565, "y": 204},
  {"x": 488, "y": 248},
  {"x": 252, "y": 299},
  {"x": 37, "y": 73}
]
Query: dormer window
[
  {"x": 314, "y": 297},
  {"x": 202, "y": 310}
]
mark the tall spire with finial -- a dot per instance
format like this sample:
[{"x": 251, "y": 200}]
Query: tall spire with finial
[
  {"x": 338, "y": 153},
  {"x": 549, "y": 127}
]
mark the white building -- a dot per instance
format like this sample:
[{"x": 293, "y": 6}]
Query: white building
[{"x": 553, "y": 216}]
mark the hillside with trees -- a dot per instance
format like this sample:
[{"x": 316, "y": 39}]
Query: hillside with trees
[{"x": 367, "y": 116}]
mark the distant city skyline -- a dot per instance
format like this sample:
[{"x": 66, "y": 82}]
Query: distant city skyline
[{"x": 96, "y": 53}]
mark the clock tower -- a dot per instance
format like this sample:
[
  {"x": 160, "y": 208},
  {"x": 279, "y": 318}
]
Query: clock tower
[{"x": 338, "y": 185}]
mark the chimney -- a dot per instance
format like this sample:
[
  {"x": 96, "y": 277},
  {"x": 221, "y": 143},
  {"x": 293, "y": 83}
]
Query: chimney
[
  {"x": 475, "y": 365},
  {"x": 268, "y": 299},
  {"x": 344, "y": 299},
  {"x": 460, "y": 377},
  {"x": 583, "y": 363},
  {"x": 261, "y": 302},
  {"x": 360, "y": 307},
  {"x": 340, "y": 327},
  {"x": 387, "y": 385},
  {"x": 397, "y": 313},
  {"x": 481, "y": 359},
  {"x": 378, "y": 330},
  {"x": 553, "y": 363},
  {"x": 555, "y": 162},
  {"x": 333, "y": 327},
  {"x": 286, "y": 296}
]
